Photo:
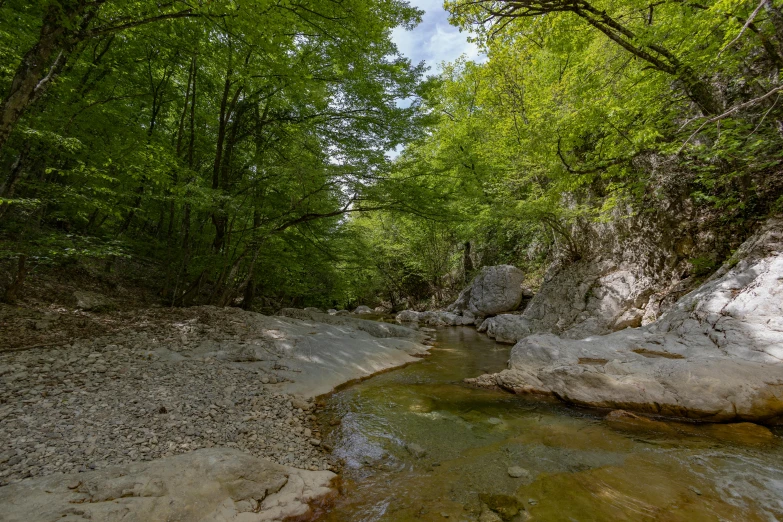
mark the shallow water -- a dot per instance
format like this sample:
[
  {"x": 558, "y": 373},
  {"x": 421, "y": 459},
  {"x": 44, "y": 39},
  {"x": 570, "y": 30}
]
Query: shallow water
[{"x": 579, "y": 465}]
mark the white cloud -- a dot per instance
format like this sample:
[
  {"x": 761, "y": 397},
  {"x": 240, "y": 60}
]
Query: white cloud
[{"x": 434, "y": 40}]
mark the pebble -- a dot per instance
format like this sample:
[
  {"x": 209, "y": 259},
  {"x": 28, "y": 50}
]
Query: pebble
[
  {"x": 517, "y": 472},
  {"x": 416, "y": 450},
  {"x": 109, "y": 400}
]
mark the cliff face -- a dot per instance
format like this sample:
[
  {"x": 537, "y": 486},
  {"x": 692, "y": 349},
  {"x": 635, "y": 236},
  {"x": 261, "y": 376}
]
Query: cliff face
[
  {"x": 630, "y": 270},
  {"x": 717, "y": 354}
]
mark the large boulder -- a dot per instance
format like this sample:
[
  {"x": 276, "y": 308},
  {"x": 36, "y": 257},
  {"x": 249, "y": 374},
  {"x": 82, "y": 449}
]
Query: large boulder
[
  {"x": 716, "y": 355},
  {"x": 505, "y": 328},
  {"x": 217, "y": 484},
  {"x": 494, "y": 290}
]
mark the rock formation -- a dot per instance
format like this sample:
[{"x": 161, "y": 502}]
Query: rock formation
[
  {"x": 716, "y": 355},
  {"x": 217, "y": 484},
  {"x": 494, "y": 290}
]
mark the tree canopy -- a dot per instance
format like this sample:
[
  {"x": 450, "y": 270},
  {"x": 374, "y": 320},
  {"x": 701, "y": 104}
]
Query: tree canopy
[{"x": 241, "y": 147}]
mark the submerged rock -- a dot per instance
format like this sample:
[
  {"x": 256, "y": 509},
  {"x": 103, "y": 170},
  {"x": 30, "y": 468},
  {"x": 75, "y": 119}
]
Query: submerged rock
[
  {"x": 716, "y": 355},
  {"x": 416, "y": 450},
  {"x": 504, "y": 505}
]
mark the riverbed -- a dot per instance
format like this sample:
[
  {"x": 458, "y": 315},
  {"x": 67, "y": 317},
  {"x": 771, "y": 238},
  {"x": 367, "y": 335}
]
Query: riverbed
[{"x": 418, "y": 444}]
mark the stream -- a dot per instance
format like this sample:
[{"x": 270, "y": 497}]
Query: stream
[{"x": 418, "y": 444}]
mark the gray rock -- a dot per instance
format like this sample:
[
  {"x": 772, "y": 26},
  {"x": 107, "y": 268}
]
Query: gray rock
[
  {"x": 505, "y": 328},
  {"x": 518, "y": 472},
  {"x": 494, "y": 290},
  {"x": 416, "y": 450},
  {"x": 363, "y": 310},
  {"x": 214, "y": 484},
  {"x": 716, "y": 355}
]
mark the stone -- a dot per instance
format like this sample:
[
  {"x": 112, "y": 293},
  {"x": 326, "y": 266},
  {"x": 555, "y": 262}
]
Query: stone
[
  {"x": 716, "y": 355},
  {"x": 416, "y": 450},
  {"x": 301, "y": 404},
  {"x": 93, "y": 302},
  {"x": 496, "y": 289},
  {"x": 363, "y": 310},
  {"x": 506, "y": 506},
  {"x": 506, "y": 328},
  {"x": 487, "y": 515},
  {"x": 224, "y": 483},
  {"x": 518, "y": 472}
]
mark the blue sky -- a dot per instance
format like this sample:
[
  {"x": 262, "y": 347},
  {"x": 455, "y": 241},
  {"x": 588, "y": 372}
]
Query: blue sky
[{"x": 434, "y": 40}]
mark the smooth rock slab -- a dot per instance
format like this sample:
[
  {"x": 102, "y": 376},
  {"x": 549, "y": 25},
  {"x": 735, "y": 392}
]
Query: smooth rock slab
[
  {"x": 715, "y": 355},
  {"x": 215, "y": 485}
]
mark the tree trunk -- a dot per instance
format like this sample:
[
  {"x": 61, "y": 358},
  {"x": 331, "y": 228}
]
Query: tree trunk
[
  {"x": 12, "y": 292},
  {"x": 41, "y": 63}
]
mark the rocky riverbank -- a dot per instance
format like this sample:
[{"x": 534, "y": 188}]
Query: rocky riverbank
[
  {"x": 177, "y": 381},
  {"x": 714, "y": 355}
]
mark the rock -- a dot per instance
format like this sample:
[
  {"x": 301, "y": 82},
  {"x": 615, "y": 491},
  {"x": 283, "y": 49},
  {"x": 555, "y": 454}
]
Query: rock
[
  {"x": 716, "y": 355},
  {"x": 487, "y": 515},
  {"x": 363, "y": 310},
  {"x": 416, "y": 450},
  {"x": 743, "y": 433},
  {"x": 313, "y": 309},
  {"x": 331, "y": 311},
  {"x": 504, "y": 505},
  {"x": 92, "y": 302},
  {"x": 517, "y": 472},
  {"x": 374, "y": 328},
  {"x": 301, "y": 404},
  {"x": 494, "y": 290},
  {"x": 432, "y": 318},
  {"x": 217, "y": 483},
  {"x": 342, "y": 313},
  {"x": 407, "y": 316},
  {"x": 506, "y": 328}
]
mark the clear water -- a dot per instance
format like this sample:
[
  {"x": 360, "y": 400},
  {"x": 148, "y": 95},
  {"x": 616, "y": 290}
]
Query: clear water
[{"x": 579, "y": 465}]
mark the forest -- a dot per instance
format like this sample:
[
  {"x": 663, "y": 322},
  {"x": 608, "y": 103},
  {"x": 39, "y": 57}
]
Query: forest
[{"x": 242, "y": 152}]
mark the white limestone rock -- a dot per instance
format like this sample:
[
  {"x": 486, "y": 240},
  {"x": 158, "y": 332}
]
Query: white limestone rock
[
  {"x": 216, "y": 485},
  {"x": 716, "y": 355}
]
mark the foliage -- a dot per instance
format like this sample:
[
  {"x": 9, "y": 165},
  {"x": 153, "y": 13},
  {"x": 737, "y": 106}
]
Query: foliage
[{"x": 243, "y": 145}]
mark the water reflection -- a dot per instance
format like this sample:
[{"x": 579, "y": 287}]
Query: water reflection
[{"x": 419, "y": 445}]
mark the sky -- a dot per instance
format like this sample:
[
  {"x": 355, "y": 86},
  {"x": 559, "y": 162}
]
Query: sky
[{"x": 433, "y": 40}]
